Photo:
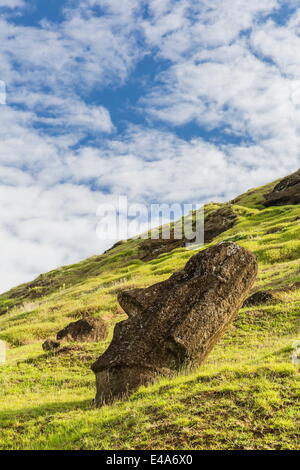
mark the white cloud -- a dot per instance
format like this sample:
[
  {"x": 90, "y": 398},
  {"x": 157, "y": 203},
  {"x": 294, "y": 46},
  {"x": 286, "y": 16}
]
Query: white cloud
[
  {"x": 68, "y": 112},
  {"x": 154, "y": 165},
  {"x": 178, "y": 29},
  {"x": 281, "y": 44},
  {"x": 71, "y": 58},
  {"x": 241, "y": 92},
  {"x": 248, "y": 85}
]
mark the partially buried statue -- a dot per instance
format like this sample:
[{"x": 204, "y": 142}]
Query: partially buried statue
[{"x": 173, "y": 325}]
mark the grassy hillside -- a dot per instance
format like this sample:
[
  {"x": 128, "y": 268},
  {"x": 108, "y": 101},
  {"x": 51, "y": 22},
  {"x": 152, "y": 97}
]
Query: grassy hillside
[{"x": 246, "y": 396}]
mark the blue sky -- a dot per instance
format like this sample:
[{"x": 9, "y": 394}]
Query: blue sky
[{"x": 159, "y": 100}]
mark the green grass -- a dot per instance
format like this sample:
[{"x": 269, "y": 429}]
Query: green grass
[{"x": 246, "y": 395}]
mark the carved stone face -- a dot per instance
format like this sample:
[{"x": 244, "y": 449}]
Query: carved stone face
[{"x": 174, "y": 324}]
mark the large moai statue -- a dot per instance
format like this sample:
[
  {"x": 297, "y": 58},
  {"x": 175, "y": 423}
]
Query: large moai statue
[{"x": 173, "y": 325}]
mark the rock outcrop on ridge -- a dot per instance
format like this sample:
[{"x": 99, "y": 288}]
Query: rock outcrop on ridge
[
  {"x": 88, "y": 329},
  {"x": 286, "y": 192},
  {"x": 219, "y": 221}
]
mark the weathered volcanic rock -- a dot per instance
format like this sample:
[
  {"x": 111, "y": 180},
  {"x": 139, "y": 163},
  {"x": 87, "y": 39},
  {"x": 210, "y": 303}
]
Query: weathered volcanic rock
[
  {"x": 88, "y": 329},
  {"x": 287, "y": 191},
  {"x": 259, "y": 298},
  {"x": 218, "y": 222},
  {"x": 174, "y": 324},
  {"x": 50, "y": 345}
]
